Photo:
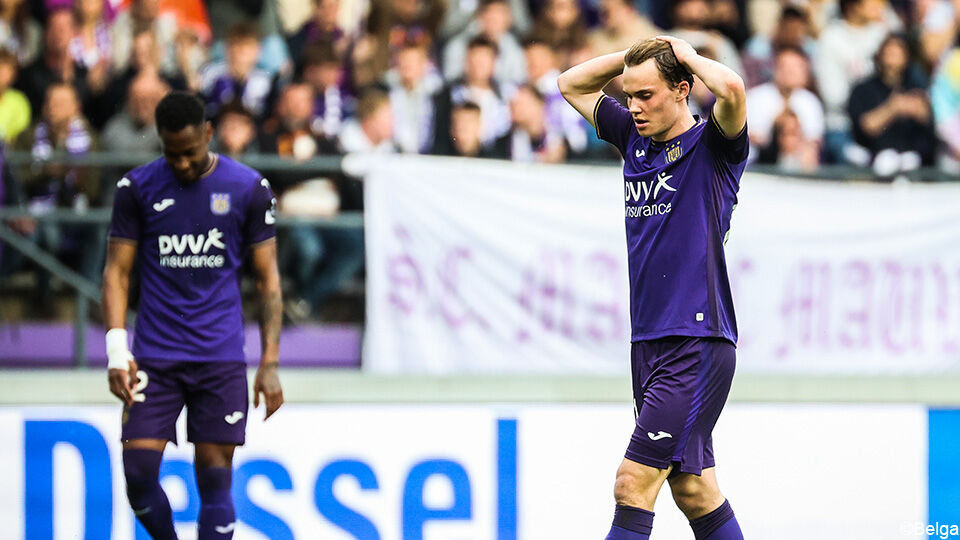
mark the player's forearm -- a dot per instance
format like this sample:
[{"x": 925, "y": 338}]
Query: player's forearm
[
  {"x": 722, "y": 81},
  {"x": 271, "y": 319},
  {"x": 591, "y": 76},
  {"x": 115, "y": 291}
]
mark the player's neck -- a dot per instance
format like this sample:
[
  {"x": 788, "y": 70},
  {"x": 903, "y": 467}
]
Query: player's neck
[
  {"x": 681, "y": 126},
  {"x": 209, "y": 166}
]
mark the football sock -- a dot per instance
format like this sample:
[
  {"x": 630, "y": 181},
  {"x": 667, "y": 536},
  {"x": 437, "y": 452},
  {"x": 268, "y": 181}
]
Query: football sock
[
  {"x": 630, "y": 524},
  {"x": 216, "y": 520},
  {"x": 720, "y": 524},
  {"x": 141, "y": 468}
]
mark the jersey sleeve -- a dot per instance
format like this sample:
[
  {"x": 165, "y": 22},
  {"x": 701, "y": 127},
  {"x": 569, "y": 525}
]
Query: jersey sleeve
[
  {"x": 614, "y": 123},
  {"x": 125, "y": 219},
  {"x": 261, "y": 214},
  {"x": 729, "y": 149}
]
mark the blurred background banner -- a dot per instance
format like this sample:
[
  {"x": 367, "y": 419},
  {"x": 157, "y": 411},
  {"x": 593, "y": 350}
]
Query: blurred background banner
[{"x": 508, "y": 268}]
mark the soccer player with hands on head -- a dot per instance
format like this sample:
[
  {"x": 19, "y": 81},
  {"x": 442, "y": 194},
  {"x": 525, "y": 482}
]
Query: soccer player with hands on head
[
  {"x": 681, "y": 176},
  {"x": 190, "y": 217}
]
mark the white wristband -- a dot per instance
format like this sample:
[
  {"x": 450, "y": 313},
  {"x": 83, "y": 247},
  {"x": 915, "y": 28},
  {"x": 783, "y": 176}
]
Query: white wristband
[{"x": 118, "y": 352}]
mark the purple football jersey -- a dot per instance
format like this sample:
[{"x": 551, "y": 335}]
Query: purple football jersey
[
  {"x": 191, "y": 241},
  {"x": 679, "y": 196}
]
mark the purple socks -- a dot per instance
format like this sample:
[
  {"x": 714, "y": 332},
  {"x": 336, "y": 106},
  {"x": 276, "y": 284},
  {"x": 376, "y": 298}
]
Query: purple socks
[
  {"x": 630, "y": 524},
  {"x": 141, "y": 468},
  {"x": 216, "y": 520},
  {"x": 720, "y": 524}
]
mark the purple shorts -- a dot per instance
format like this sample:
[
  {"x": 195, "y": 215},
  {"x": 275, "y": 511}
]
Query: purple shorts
[
  {"x": 215, "y": 394},
  {"x": 680, "y": 385}
]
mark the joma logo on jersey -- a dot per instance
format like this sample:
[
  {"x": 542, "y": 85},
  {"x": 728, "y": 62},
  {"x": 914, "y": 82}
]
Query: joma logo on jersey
[{"x": 190, "y": 250}]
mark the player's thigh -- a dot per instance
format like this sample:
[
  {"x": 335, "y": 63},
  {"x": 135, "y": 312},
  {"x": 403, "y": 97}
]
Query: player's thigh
[
  {"x": 637, "y": 485},
  {"x": 217, "y": 402},
  {"x": 696, "y": 495},
  {"x": 158, "y": 400}
]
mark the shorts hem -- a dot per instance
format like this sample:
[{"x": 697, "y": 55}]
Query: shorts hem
[{"x": 648, "y": 461}]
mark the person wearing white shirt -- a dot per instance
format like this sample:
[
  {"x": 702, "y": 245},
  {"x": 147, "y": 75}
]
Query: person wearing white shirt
[{"x": 788, "y": 90}]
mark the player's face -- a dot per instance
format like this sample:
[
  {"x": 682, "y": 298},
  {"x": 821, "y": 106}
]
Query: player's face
[
  {"x": 654, "y": 105},
  {"x": 186, "y": 151}
]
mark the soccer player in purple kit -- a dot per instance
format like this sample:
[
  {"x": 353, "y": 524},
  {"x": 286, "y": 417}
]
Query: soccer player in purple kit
[
  {"x": 190, "y": 217},
  {"x": 681, "y": 174}
]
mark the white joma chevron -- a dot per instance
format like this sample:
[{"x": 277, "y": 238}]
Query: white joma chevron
[
  {"x": 658, "y": 436},
  {"x": 226, "y": 529},
  {"x": 233, "y": 417},
  {"x": 163, "y": 205}
]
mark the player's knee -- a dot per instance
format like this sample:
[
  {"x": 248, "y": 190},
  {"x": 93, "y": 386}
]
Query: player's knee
[
  {"x": 141, "y": 470},
  {"x": 630, "y": 489},
  {"x": 695, "y": 498}
]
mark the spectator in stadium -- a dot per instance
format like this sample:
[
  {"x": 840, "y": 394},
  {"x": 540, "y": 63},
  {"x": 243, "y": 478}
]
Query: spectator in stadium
[
  {"x": 288, "y": 132},
  {"x": 464, "y": 138},
  {"x": 492, "y": 22},
  {"x": 789, "y": 148},
  {"x": 945, "y": 100},
  {"x": 460, "y": 14},
  {"x": 787, "y": 91},
  {"x": 141, "y": 15},
  {"x": 561, "y": 27},
  {"x": 133, "y": 128},
  {"x": 55, "y": 64},
  {"x": 846, "y": 49},
  {"x": 237, "y": 77},
  {"x": 478, "y": 86},
  {"x": 90, "y": 47},
  {"x": 14, "y": 106},
  {"x": 691, "y": 23},
  {"x": 322, "y": 69},
  {"x": 727, "y": 17},
  {"x": 531, "y": 137},
  {"x": 792, "y": 30},
  {"x": 19, "y": 33},
  {"x": 236, "y": 132},
  {"x": 890, "y": 111},
  {"x": 620, "y": 27},
  {"x": 542, "y": 73},
  {"x": 412, "y": 84},
  {"x": 372, "y": 129},
  {"x": 322, "y": 28},
  {"x": 939, "y": 22},
  {"x": 390, "y": 23}
]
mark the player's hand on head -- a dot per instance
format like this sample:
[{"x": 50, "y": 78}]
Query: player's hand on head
[
  {"x": 267, "y": 382},
  {"x": 681, "y": 49}
]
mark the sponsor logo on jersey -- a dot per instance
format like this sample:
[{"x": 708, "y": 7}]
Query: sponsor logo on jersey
[
  {"x": 192, "y": 250},
  {"x": 220, "y": 203},
  {"x": 646, "y": 192}
]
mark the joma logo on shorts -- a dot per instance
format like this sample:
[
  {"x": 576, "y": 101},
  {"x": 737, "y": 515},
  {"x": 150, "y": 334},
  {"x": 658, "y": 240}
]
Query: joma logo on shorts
[{"x": 658, "y": 436}]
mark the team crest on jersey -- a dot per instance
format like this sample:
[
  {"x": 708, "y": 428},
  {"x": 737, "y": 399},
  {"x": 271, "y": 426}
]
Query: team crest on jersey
[
  {"x": 673, "y": 152},
  {"x": 220, "y": 203}
]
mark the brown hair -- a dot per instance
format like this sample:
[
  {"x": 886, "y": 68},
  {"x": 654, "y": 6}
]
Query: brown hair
[
  {"x": 371, "y": 100},
  {"x": 661, "y": 52}
]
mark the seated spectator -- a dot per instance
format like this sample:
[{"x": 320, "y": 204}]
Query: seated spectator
[
  {"x": 620, "y": 27},
  {"x": 726, "y": 18},
  {"x": 691, "y": 22},
  {"x": 372, "y": 129},
  {"x": 464, "y": 138},
  {"x": 945, "y": 100},
  {"x": 531, "y": 138},
  {"x": 789, "y": 148},
  {"x": 14, "y": 107},
  {"x": 542, "y": 73},
  {"x": 791, "y": 78},
  {"x": 391, "y": 23},
  {"x": 459, "y": 14},
  {"x": 561, "y": 27},
  {"x": 890, "y": 110},
  {"x": 288, "y": 132},
  {"x": 19, "y": 33},
  {"x": 846, "y": 49},
  {"x": 492, "y": 22},
  {"x": 793, "y": 30},
  {"x": 90, "y": 47},
  {"x": 323, "y": 70},
  {"x": 322, "y": 29},
  {"x": 142, "y": 15},
  {"x": 133, "y": 129},
  {"x": 55, "y": 64},
  {"x": 237, "y": 78},
  {"x": 413, "y": 83},
  {"x": 236, "y": 132},
  {"x": 478, "y": 86}
]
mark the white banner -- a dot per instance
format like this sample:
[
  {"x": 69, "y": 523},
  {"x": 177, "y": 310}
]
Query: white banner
[
  {"x": 482, "y": 266},
  {"x": 478, "y": 472}
]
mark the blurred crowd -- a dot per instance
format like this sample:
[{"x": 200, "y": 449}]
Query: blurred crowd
[{"x": 871, "y": 83}]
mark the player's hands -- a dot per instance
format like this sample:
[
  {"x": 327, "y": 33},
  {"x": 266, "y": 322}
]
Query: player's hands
[
  {"x": 123, "y": 381},
  {"x": 681, "y": 49},
  {"x": 267, "y": 382}
]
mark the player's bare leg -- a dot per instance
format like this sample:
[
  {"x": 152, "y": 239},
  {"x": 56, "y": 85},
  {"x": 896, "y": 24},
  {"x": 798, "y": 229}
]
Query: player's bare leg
[
  {"x": 636, "y": 492},
  {"x": 141, "y": 469},
  {"x": 699, "y": 498},
  {"x": 214, "y": 468}
]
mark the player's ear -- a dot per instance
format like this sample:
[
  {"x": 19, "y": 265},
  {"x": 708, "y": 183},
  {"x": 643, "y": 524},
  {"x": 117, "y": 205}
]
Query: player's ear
[
  {"x": 207, "y": 131},
  {"x": 683, "y": 90}
]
